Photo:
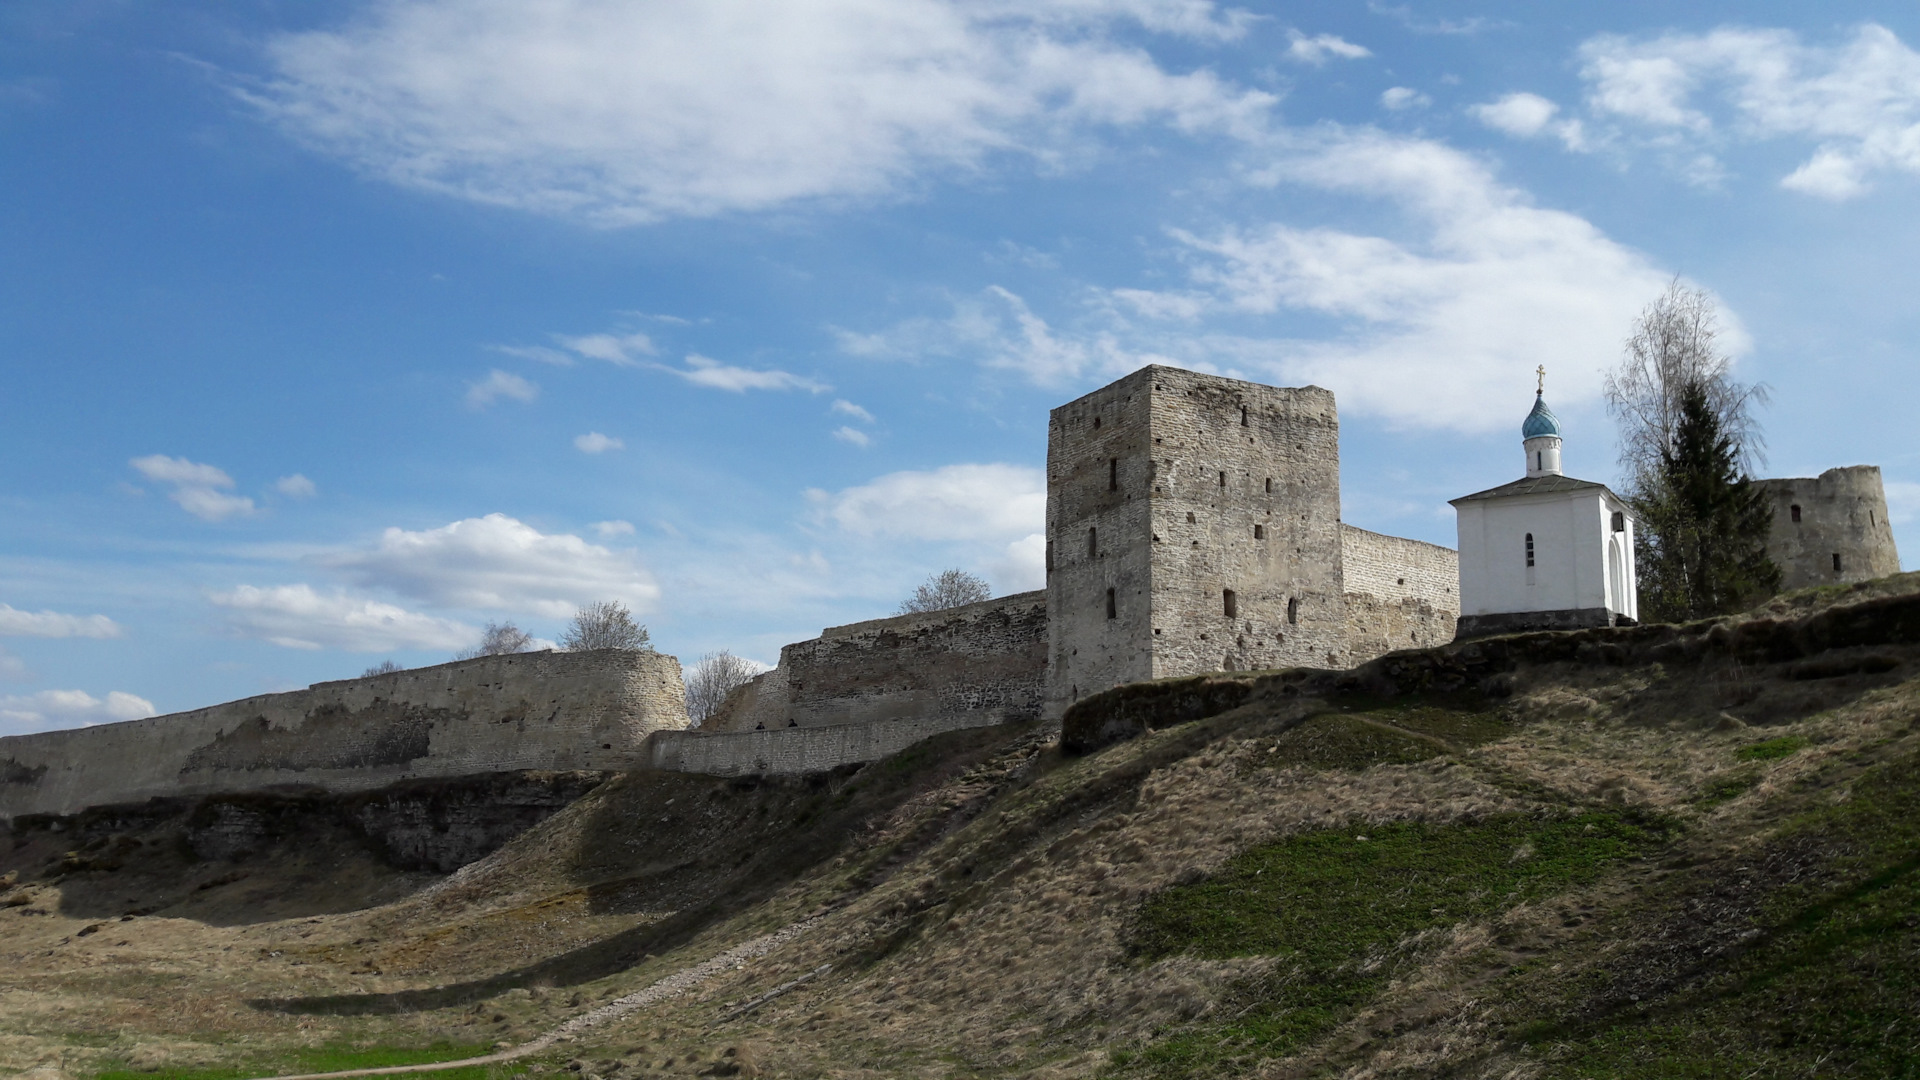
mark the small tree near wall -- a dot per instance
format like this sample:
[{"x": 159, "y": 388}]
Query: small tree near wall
[
  {"x": 499, "y": 640},
  {"x": 710, "y": 681},
  {"x": 947, "y": 589},
  {"x": 604, "y": 625}
]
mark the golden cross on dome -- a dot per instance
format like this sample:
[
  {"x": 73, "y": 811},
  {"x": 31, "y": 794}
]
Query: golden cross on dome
[{"x": 1541, "y": 371}]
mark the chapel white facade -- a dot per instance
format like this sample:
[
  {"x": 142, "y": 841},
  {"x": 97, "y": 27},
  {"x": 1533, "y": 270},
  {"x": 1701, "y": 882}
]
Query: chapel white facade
[{"x": 1547, "y": 551}]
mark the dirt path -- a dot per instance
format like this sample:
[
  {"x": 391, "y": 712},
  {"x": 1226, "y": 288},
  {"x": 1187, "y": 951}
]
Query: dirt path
[{"x": 672, "y": 986}]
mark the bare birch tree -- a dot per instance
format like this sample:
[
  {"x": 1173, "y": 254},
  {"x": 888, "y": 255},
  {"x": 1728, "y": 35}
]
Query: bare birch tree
[
  {"x": 498, "y": 639},
  {"x": 1675, "y": 344},
  {"x": 709, "y": 682}
]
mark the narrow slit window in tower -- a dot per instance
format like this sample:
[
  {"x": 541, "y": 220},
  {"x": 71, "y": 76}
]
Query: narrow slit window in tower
[
  {"x": 1536, "y": 461},
  {"x": 1836, "y": 562},
  {"x": 1093, "y": 542},
  {"x": 1223, "y": 479},
  {"x": 1293, "y": 610},
  {"x": 1794, "y": 511},
  {"x": 1190, "y": 517},
  {"x": 1096, "y": 423},
  {"x": 1049, "y": 556},
  {"x": 1113, "y": 611},
  {"x": 1529, "y": 549},
  {"x": 1113, "y": 474},
  {"x": 1259, "y": 532},
  {"x": 1227, "y": 601},
  {"x": 1269, "y": 485},
  {"x": 1243, "y": 416}
]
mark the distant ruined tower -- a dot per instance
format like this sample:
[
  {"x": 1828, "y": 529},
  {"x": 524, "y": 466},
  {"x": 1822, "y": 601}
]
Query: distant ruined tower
[
  {"x": 1831, "y": 529},
  {"x": 1193, "y": 524}
]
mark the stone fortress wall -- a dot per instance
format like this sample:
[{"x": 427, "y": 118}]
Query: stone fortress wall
[
  {"x": 1400, "y": 593},
  {"x": 543, "y": 710},
  {"x": 968, "y": 666},
  {"x": 1831, "y": 529}
]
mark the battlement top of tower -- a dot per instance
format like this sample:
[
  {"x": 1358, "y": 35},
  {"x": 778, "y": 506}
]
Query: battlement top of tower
[{"x": 1145, "y": 376}]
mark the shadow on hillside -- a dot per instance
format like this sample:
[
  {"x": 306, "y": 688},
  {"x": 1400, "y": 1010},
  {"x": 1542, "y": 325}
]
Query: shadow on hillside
[{"x": 714, "y": 849}]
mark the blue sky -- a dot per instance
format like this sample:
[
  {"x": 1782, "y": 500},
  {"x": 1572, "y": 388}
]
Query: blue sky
[{"x": 330, "y": 333}]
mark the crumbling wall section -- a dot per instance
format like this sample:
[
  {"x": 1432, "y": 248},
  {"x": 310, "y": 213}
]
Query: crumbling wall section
[{"x": 545, "y": 711}]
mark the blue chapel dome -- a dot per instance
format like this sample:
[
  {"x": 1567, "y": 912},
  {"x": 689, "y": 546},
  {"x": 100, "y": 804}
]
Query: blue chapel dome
[{"x": 1540, "y": 421}]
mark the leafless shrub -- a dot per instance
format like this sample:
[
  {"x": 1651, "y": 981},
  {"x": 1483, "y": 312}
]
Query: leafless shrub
[
  {"x": 710, "y": 680},
  {"x": 384, "y": 667},
  {"x": 499, "y": 640},
  {"x": 947, "y": 589},
  {"x": 606, "y": 624}
]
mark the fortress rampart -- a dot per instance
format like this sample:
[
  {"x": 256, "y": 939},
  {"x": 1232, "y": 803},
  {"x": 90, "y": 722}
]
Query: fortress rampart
[
  {"x": 544, "y": 710},
  {"x": 982, "y": 663},
  {"x": 1831, "y": 529},
  {"x": 1400, "y": 593}
]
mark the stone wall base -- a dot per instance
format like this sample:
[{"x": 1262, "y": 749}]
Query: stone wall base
[{"x": 1516, "y": 622}]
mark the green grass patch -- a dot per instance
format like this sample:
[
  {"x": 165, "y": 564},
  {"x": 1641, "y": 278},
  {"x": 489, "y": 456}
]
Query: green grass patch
[
  {"x": 337, "y": 1059},
  {"x": 1830, "y": 986},
  {"x": 1727, "y": 787},
  {"x": 1771, "y": 749},
  {"x": 1342, "y": 911},
  {"x": 1346, "y": 741}
]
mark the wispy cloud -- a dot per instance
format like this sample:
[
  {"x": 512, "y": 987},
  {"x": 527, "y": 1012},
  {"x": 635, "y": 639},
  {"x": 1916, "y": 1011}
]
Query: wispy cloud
[
  {"x": 623, "y": 113},
  {"x": 199, "y": 489},
  {"x": 497, "y": 385},
  {"x": 610, "y": 529},
  {"x": 1320, "y": 48},
  {"x": 705, "y": 371},
  {"x": 595, "y": 443},
  {"x": 496, "y": 563},
  {"x": 853, "y": 435},
  {"x": 1402, "y": 98},
  {"x": 52, "y": 710},
  {"x": 848, "y": 408},
  {"x": 295, "y": 487},
  {"x": 1857, "y": 102},
  {"x": 1524, "y": 115},
  {"x": 54, "y": 624},
  {"x": 300, "y": 617},
  {"x": 625, "y": 350}
]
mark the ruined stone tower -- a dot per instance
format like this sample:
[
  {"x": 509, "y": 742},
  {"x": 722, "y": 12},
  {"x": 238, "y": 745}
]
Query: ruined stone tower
[
  {"x": 1193, "y": 524},
  {"x": 1831, "y": 529}
]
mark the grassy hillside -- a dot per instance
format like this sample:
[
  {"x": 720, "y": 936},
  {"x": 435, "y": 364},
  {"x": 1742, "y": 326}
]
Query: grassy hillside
[{"x": 1658, "y": 852}]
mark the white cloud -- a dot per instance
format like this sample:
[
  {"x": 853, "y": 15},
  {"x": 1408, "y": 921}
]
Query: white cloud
[
  {"x": 610, "y": 529},
  {"x": 621, "y": 113},
  {"x": 848, "y": 408},
  {"x": 295, "y": 487},
  {"x": 53, "y": 624},
  {"x": 12, "y": 668},
  {"x": 853, "y": 435},
  {"x": 1321, "y": 47},
  {"x": 298, "y": 617},
  {"x": 1526, "y": 115},
  {"x": 955, "y": 502},
  {"x": 1000, "y": 330},
  {"x": 1523, "y": 115},
  {"x": 1398, "y": 98},
  {"x": 51, "y": 710},
  {"x": 500, "y": 384},
  {"x": 1435, "y": 330},
  {"x": 496, "y": 563},
  {"x": 196, "y": 487},
  {"x": 595, "y": 443},
  {"x": 704, "y": 371},
  {"x": 622, "y": 349},
  {"x": 1858, "y": 101}
]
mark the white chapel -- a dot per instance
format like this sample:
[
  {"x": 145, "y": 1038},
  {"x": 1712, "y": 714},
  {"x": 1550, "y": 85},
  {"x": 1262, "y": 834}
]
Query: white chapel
[{"x": 1545, "y": 552}]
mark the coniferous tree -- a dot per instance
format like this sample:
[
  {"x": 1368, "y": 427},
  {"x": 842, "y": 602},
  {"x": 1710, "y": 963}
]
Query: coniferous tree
[{"x": 1702, "y": 544}]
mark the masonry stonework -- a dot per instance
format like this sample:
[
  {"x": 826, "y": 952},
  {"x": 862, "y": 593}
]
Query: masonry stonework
[
  {"x": 1400, "y": 593},
  {"x": 544, "y": 710},
  {"x": 985, "y": 661},
  {"x": 1193, "y": 524},
  {"x": 1831, "y": 529}
]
